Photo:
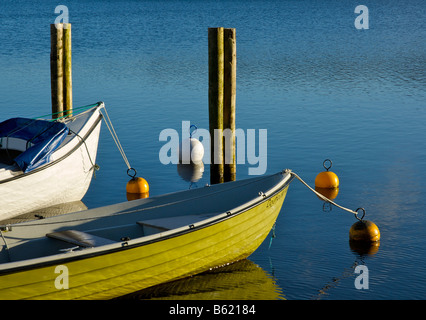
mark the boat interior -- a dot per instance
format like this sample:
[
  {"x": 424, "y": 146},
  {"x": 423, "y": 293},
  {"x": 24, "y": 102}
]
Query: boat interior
[
  {"x": 11, "y": 147},
  {"x": 79, "y": 237},
  {"x": 7, "y": 155},
  {"x": 133, "y": 220}
]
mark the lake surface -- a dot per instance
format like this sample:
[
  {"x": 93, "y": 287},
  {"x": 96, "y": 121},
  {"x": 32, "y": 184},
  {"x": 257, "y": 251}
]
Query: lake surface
[{"x": 321, "y": 87}]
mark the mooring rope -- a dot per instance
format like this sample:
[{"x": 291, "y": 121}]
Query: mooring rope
[
  {"x": 327, "y": 199},
  {"x": 78, "y": 109},
  {"x": 108, "y": 124},
  {"x": 116, "y": 140}
]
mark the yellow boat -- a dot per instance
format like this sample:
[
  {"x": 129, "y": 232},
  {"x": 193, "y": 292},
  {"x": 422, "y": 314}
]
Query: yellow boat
[{"x": 111, "y": 251}]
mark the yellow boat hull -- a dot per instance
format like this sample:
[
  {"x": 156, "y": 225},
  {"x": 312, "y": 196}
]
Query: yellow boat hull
[{"x": 120, "y": 272}]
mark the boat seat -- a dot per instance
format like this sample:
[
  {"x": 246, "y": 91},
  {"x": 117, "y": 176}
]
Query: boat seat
[{"x": 80, "y": 238}]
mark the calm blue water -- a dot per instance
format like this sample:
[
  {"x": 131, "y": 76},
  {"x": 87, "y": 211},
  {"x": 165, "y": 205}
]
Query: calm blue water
[{"x": 322, "y": 89}]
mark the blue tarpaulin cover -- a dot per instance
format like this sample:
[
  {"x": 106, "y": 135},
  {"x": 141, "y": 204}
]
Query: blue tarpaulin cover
[{"x": 42, "y": 136}]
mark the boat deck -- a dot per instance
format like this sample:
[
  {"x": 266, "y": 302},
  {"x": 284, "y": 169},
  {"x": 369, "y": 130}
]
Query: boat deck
[{"x": 73, "y": 239}]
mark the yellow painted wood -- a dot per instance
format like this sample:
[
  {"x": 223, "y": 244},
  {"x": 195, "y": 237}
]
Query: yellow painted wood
[{"x": 129, "y": 270}]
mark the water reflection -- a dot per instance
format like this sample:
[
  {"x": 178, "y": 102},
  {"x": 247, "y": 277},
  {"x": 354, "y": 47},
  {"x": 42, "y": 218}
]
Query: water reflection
[
  {"x": 135, "y": 196},
  {"x": 48, "y": 212},
  {"x": 363, "y": 248},
  {"x": 330, "y": 193},
  {"x": 243, "y": 280},
  {"x": 334, "y": 282},
  {"x": 191, "y": 172}
]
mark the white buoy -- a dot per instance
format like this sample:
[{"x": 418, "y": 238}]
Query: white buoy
[{"x": 191, "y": 150}]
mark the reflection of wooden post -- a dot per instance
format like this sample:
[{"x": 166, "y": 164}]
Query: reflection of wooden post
[
  {"x": 229, "y": 97},
  {"x": 215, "y": 39},
  {"x": 60, "y": 69}
]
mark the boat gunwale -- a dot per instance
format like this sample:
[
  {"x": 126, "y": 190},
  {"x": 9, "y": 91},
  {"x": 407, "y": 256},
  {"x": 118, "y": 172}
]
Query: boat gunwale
[
  {"x": 86, "y": 253},
  {"x": 68, "y": 153}
]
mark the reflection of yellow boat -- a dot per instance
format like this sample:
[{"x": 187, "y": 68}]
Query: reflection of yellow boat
[
  {"x": 118, "y": 249},
  {"x": 243, "y": 280}
]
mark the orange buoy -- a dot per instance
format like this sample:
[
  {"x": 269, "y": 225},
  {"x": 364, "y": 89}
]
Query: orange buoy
[
  {"x": 327, "y": 179},
  {"x": 364, "y": 236},
  {"x": 137, "y": 185},
  {"x": 365, "y": 231}
]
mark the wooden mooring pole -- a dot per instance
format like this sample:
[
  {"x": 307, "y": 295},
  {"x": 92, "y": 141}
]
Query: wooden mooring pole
[
  {"x": 216, "y": 64},
  {"x": 222, "y": 97},
  {"x": 67, "y": 71},
  {"x": 60, "y": 69},
  {"x": 229, "y": 98}
]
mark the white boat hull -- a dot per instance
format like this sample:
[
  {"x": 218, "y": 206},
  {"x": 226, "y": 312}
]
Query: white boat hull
[{"x": 64, "y": 179}]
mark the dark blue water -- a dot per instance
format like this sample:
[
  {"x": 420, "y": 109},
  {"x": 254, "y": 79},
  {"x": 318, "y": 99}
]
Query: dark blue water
[{"x": 321, "y": 87}]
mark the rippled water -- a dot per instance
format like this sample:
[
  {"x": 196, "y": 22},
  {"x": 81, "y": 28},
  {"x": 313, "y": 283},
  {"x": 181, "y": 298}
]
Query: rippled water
[{"x": 322, "y": 89}]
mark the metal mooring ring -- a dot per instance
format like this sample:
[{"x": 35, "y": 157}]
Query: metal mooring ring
[
  {"x": 331, "y": 163},
  {"x": 195, "y": 129},
  {"x": 132, "y": 176},
  {"x": 363, "y": 213}
]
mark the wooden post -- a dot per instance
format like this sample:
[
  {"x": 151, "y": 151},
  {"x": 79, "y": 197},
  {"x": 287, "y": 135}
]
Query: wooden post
[
  {"x": 229, "y": 99},
  {"x": 216, "y": 65},
  {"x": 67, "y": 70},
  {"x": 60, "y": 69},
  {"x": 56, "y": 68}
]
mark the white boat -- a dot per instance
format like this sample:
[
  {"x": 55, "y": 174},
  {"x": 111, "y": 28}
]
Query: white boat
[{"x": 47, "y": 162}]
